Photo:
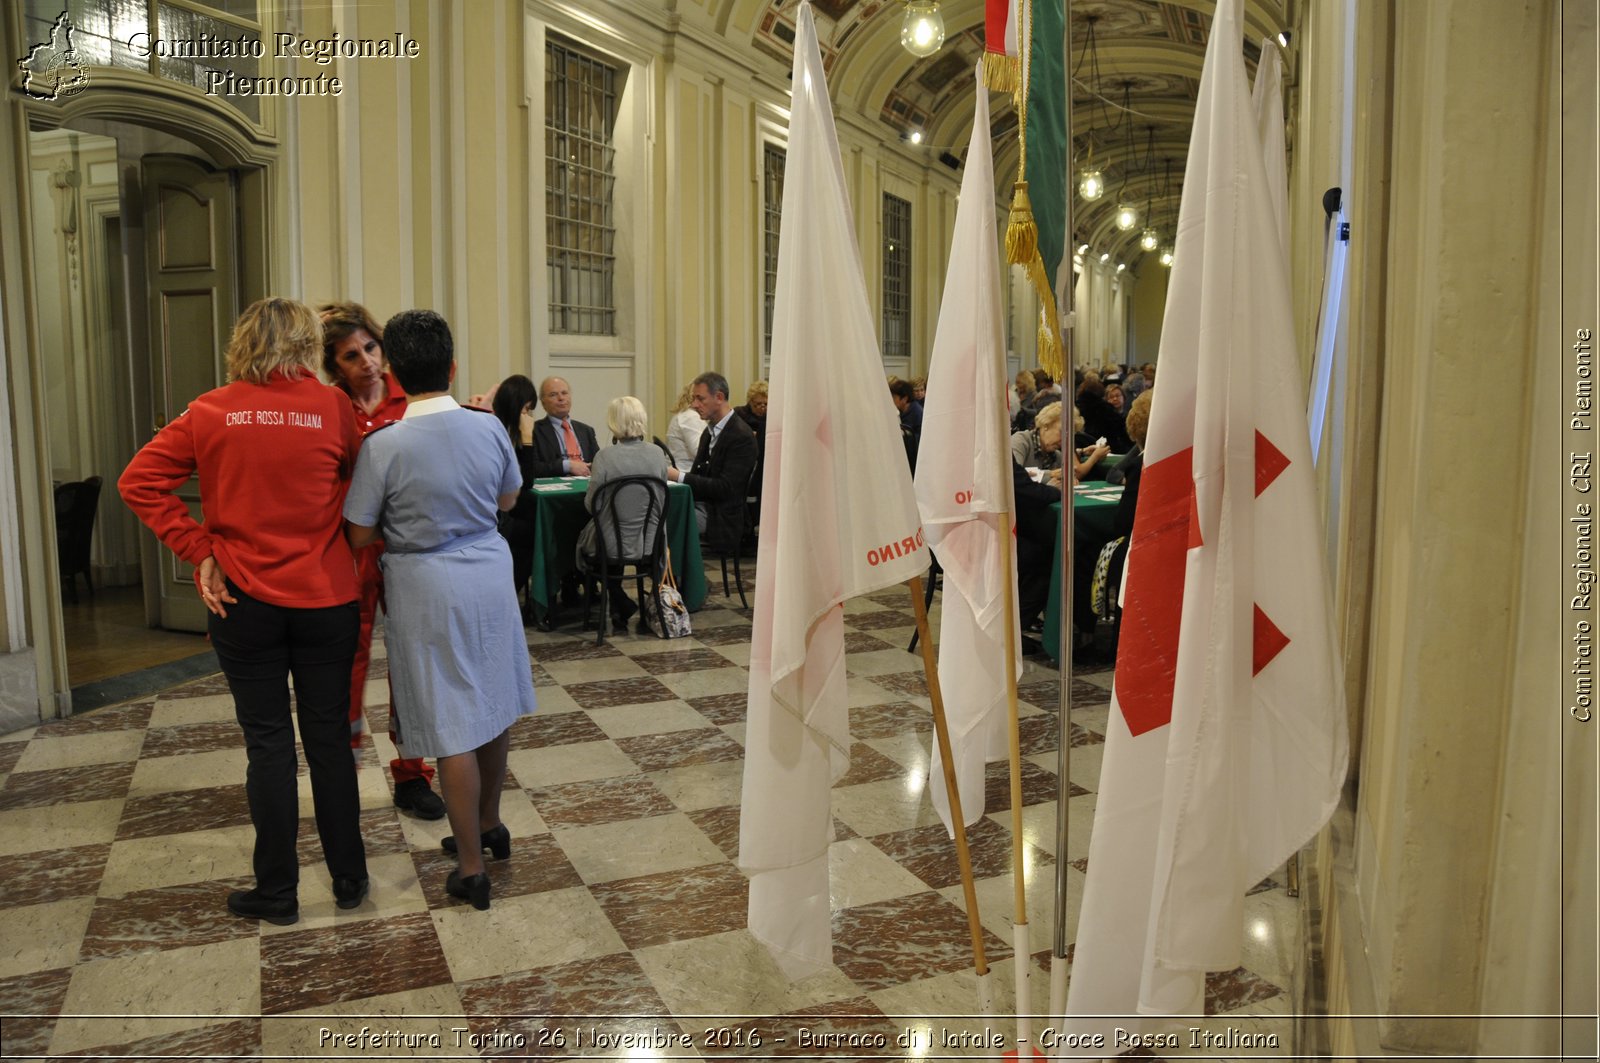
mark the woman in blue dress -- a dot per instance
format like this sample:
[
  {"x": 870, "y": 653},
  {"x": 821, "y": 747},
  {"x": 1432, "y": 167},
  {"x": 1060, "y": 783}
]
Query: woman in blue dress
[{"x": 431, "y": 485}]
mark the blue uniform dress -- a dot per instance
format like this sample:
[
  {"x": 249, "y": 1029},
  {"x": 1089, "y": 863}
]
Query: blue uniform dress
[{"x": 458, "y": 658}]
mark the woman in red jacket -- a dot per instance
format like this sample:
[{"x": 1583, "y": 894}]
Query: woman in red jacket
[
  {"x": 274, "y": 450},
  {"x": 352, "y": 357}
]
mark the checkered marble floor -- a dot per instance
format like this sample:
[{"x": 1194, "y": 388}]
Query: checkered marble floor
[{"x": 621, "y": 911}]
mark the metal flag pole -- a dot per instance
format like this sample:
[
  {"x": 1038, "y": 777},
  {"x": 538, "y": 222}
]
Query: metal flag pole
[{"x": 1066, "y": 294}]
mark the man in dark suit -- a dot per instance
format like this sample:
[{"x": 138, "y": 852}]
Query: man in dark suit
[
  {"x": 561, "y": 446},
  {"x": 720, "y": 475}
]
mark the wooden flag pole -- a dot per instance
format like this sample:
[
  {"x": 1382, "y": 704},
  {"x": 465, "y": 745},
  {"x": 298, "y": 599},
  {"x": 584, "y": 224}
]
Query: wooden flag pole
[{"x": 941, "y": 732}]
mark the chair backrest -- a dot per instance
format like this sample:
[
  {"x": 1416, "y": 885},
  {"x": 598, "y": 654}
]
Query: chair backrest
[
  {"x": 76, "y": 505},
  {"x": 630, "y": 516}
]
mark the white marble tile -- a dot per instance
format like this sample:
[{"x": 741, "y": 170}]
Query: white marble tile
[
  {"x": 516, "y": 811},
  {"x": 174, "y": 712},
  {"x": 688, "y": 685},
  {"x": 189, "y": 771},
  {"x": 860, "y": 873},
  {"x": 734, "y": 974},
  {"x": 524, "y": 933},
  {"x": 910, "y": 748},
  {"x": 634, "y": 847},
  {"x": 170, "y": 860},
  {"x": 27, "y": 830},
  {"x": 735, "y": 731},
  {"x": 1039, "y": 825},
  {"x": 590, "y": 671},
  {"x": 738, "y": 653},
  {"x": 627, "y": 721},
  {"x": 883, "y": 662},
  {"x": 418, "y": 1013},
  {"x": 880, "y": 807},
  {"x": 997, "y": 903},
  {"x": 575, "y": 762},
  {"x": 42, "y": 937},
  {"x": 697, "y": 786},
  {"x": 553, "y": 700},
  {"x": 189, "y": 987},
  {"x": 73, "y": 751}
]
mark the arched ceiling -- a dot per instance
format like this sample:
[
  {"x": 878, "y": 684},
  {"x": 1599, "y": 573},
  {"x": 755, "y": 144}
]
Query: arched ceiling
[{"x": 1148, "y": 52}]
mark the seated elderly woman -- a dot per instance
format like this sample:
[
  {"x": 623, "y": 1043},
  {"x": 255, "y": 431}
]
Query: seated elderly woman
[
  {"x": 631, "y": 454},
  {"x": 1040, "y": 447}
]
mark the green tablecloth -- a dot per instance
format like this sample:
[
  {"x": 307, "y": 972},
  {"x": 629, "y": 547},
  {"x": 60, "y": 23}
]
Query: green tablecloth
[
  {"x": 558, "y": 517},
  {"x": 1093, "y": 518}
]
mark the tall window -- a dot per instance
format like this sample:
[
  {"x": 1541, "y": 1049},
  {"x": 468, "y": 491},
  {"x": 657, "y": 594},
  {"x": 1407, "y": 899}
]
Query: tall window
[
  {"x": 580, "y": 113},
  {"x": 896, "y": 277},
  {"x": 772, "y": 163}
]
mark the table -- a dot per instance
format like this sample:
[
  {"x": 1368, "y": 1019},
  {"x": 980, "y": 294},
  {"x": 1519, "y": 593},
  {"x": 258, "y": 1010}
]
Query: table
[
  {"x": 559, "y": 516},
  {"x": 1094, "y": 510}
]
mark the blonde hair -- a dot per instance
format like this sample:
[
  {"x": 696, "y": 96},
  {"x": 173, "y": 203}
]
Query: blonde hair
[
  {"x": 1139, "y": 417},
  {"x": 685, "y": 397},
  {"x": 626, "y": 418},
  {"x": 275, "y": 336},
  {"x": 1048, "y": 416},
  {"x": 1025, "y": 384},
  {"x": 758, "y": 390}
]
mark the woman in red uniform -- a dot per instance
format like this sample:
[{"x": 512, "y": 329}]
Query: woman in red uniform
[
  {"x": 274, "y": 450},
  {"x": 352, "y": 357}
]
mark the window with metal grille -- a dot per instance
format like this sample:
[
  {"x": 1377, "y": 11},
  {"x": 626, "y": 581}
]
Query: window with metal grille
[
  {"x": 580, "y": 112},
  {"x": 896, "y": 277},
  {"x": 772, "y": 163}
]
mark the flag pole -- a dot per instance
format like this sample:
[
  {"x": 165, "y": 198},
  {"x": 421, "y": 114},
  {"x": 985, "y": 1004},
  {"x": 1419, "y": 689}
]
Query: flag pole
[
  {"x": 1069, "y": 352},
  {"x": 941, "y": 731}
]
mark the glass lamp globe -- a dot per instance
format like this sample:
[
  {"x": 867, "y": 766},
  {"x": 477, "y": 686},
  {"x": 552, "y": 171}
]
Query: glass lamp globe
[
  {"x": 1149, "y": 239},
  {"x": 1091, "y": 184},
  {"x": 1127, "y": 216},
  {"x": 1166, "y": 256},
  {"x": 922, "y": 31}
]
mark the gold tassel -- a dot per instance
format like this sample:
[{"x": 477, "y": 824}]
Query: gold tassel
[
  {"x": 1022, "y": 235},
  {"x": 1022, "y": 249},
  {"x": 1001, "y": 72}
]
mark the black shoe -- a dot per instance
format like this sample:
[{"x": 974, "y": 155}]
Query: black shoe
[
  {"x": 350, "y": 892},
  {"x": 1031, "y": 647},
  {"x": 622, "y": 611},
  {"x": 415, "y": 797},
  {"x": 249, "y": 904},
  {"x": 496, "y": 839},
  {"x": 473, "y": 888}
]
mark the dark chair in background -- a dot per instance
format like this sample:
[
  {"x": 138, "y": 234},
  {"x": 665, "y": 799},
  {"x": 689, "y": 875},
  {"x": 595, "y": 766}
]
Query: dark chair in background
[
  {"x": 76, "y": 505},
  {"x": 731, "y": 548},
  {"x": 630, "y": 521}
]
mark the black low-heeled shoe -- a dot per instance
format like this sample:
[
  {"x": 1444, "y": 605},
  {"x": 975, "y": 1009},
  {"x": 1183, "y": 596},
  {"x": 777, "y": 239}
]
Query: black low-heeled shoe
[
  {"x": 473, "y": 888},
  {"x": 496, "y": 839}
]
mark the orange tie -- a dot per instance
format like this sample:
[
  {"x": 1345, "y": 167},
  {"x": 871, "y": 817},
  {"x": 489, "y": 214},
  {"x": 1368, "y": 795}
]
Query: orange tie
[{"x": 572, "y": 441}]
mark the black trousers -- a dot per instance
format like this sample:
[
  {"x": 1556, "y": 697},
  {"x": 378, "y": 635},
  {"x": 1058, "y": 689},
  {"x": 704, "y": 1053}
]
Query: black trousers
[{"x": 260, "y": 646}]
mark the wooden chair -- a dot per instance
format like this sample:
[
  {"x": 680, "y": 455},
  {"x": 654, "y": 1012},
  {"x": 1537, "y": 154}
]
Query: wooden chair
[{"x": 642, "y": 548}]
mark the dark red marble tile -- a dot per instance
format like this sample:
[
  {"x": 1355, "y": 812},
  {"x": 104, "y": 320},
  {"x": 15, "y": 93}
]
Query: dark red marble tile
[
  {"x": 861, "y": 642},
  {"x": 554, "y": 729},
  {"x": 906, "y": 939},
  {"x": 609, "y": 995},
  {"x": 38, "y": 997},
  {"x": 599, "y": 801},
  {"x": 868, "y": 765},
  {"x": 1235, "y": 989},
  {"x": 1038, "y": 785},
  {"x": 1042, "y": 733},
  {"x": 52, "y": 875},
  {"x": 1046, "y": 694},
  {"x": 878, "y": 620},
  {"x": 722, "y": 709},
  {"x": 724, "y": 635},
  {"x": 930, "y": 853},
  {"x": 536, "y": 865},
  {"x": 721, "y": 825},
  {"x": 542, "y": 677},
  {"x": 889, "y": 720},
  {"x": 911, "y": 683},
  {"x": 181, "y": 811},
  {"x": 92, "y": 782},
  {"x": 675, "y": 905},
  {"x": 574, "y": 649},
  {"x": 687, "y": 660},
  {"x": 192, "y": 738},
  {"x": 677, "y": 749},
  {"x": 379, "y": 956},
  {"x": 215, "y": 683},
  {"x": 195, "y": 913},
  {"x": 635, "y": 691},
  {"x": 10, "y": 753}
]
